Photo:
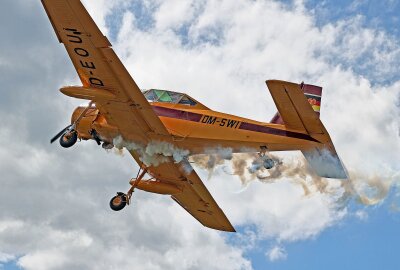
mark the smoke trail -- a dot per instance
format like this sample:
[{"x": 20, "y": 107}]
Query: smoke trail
[
  {"x": 250, "y": 166},
  {"x": 154, "y": 153},
  {"x": 212, "y": 158},
  {"x": 368, "y": 190},
  {"x": 240, "y": 166}
]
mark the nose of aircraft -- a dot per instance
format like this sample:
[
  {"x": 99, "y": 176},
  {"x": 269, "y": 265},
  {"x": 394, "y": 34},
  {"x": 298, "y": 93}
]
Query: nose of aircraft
[{"x": 83, "y": 117}]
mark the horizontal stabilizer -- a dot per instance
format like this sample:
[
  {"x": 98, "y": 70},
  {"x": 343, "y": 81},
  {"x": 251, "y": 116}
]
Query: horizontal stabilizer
[{"x": 325, "y": 162}]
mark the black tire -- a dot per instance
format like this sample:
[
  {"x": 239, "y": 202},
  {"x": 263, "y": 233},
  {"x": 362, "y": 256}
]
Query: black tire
[
  {"x": 118, "y": 202},
  {"x": 70, "y": 140}
]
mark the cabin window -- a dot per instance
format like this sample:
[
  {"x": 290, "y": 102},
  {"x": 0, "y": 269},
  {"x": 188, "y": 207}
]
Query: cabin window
[
  {"x": 187, "y": 101},
  {"x": 149, "y": 95},
  {"x": 162, "y": 96},
  {"x": 155, "y": 95}
]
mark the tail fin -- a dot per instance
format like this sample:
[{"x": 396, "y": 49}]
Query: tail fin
[
  {"x": 293, "y": 102},
  {"x": 313, "y": 94}
]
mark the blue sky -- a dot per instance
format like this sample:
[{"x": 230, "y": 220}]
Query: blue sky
[
  {"x": 368, "y": 237},
  {"x": 377, "y": 14},
  {"x": 353, "y": 244}
]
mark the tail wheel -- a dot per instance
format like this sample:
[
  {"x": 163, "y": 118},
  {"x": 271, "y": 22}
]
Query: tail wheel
[
  {"x": 68, "y": 139},
  {"x": 118, "y": 202}
]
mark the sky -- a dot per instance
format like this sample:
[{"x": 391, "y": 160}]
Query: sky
[{"x": 54, "y": 210}]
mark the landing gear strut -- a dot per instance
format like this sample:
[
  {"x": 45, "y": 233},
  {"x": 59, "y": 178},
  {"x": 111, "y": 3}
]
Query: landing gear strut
[
  {"x": 95, "y": 136},
  {"x": 119, "y": 201}
]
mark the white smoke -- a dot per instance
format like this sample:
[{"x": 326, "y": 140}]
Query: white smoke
[
  {"x": 365, "y": 189},
  {"x": 167, "y": 150},
  {"x": 155, "y": 152},
  {"x": 212, "y": 158},
  {"x": 370, "y": 189}
]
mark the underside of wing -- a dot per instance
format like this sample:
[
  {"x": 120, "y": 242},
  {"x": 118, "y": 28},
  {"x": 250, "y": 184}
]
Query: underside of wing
[
  {"x": 194, "y": 196},
  {"x": 196, "y": 200}
]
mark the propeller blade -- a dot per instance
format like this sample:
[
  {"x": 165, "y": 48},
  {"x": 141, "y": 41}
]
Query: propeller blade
[{"x": 59, "y": 134}]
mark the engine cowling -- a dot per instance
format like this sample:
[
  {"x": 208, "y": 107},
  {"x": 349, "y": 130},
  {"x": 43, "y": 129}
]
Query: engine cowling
[{"x": 84, "y": 125}]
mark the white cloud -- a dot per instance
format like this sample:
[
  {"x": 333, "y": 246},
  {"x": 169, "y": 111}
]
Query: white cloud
[
  {"x": 361, "y": 215},
  {"x": 4, "y": 257},
  {"x": 100, "y": 9},
  {"x": 279, "y": 210},
  {"x": 276, "y": 253},
  {"x": 173, "y": 14},
  {"x": 61, "y": 218},
  {"x": 43, "y": 259}
]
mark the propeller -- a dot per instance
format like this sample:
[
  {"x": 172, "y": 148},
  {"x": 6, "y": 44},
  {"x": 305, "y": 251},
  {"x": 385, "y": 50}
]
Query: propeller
[{"x": 59, "y": 134}]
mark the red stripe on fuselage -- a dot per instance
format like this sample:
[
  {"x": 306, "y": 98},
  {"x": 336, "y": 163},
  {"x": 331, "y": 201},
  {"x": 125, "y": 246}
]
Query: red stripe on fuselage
[{"x": 196, "y": 117}]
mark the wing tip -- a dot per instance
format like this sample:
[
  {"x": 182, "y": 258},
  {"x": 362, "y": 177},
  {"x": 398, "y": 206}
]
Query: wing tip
[
  {"x": 231, "y": 230},
  {"x": 227, "y": 228}
]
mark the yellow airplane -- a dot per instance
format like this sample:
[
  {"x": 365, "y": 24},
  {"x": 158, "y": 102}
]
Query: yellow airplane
[{"x": 120, "y": 112}]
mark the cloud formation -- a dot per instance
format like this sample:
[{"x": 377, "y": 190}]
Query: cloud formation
[
  {"x": 54, "y": 212},
  {"x": 276, "y": 253}
]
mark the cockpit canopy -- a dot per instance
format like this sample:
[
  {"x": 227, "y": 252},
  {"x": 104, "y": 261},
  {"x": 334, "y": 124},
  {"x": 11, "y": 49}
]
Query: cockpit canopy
[{"x": 165, "y": 96}]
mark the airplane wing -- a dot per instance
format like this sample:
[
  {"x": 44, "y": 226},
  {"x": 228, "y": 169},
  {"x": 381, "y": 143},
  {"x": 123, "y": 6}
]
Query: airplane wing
[
  {"x": 116, "y": 94},
  {"x": 101, "y": 71},
  {"x": 194, "y": 198}
]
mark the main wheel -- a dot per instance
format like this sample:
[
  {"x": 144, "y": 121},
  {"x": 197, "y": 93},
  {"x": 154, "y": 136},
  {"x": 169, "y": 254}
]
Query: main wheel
[
  {"x": 118, "y": 202},
  {"x": 68, "y": 139}
]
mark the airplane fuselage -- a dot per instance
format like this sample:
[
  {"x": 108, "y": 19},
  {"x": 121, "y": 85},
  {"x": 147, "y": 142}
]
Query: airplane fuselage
[{"x": 197, "y": 130}]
